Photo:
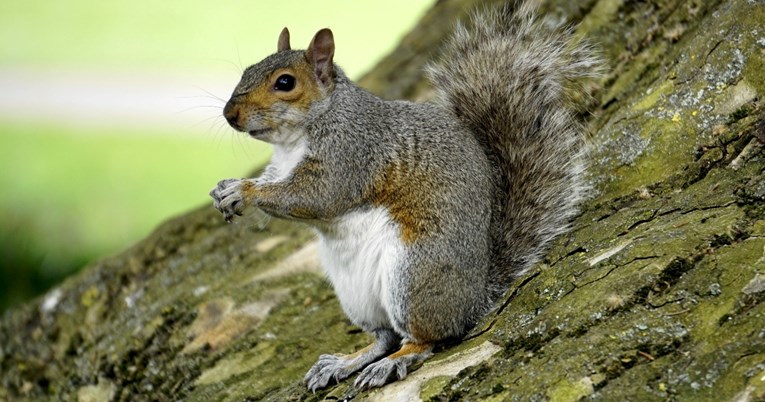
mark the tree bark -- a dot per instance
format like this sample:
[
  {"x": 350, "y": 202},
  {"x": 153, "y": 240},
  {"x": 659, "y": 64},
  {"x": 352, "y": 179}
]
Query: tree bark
[{"x": 655, "y": 294}]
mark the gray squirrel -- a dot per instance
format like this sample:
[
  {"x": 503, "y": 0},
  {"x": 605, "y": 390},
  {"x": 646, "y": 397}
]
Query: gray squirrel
[{"x": 424, "y": 212}]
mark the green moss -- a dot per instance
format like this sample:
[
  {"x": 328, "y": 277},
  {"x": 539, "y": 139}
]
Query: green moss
[
  {"x": 602, "y": 14},
  {"x": 758, "y": 228},
  {"x": 433, "y": 387},
  {"x": 570, "y": 391},
  {"x": 651, "y": 98},
  {"x": 637, "y": 68},
  {"x": 89, "y": 296}
]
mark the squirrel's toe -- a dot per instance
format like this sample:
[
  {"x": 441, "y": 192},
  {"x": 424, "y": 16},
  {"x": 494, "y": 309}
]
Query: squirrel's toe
[{"x": 380, "y": 373}]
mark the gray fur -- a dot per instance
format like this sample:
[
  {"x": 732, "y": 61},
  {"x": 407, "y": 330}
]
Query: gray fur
[{"x": 497, "y": 163}]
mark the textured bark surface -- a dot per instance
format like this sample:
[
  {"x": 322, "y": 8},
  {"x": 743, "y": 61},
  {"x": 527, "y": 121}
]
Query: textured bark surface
[{"x": 656, "y": 294}]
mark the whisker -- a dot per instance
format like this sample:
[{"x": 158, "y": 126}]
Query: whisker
[
  {"x": 242, "y": 140},
  {"x": 220, "y": 129},
  {"x": 210, "y": 93},
  {"x": 206, "y": 120},
  {"x": 190, "y": 108},
  {"x": 216, "y": 136},
  {"x": 239, "y": 57},
  {"x": 210, "y": 97},
  {"x": 238, "y": 68}
]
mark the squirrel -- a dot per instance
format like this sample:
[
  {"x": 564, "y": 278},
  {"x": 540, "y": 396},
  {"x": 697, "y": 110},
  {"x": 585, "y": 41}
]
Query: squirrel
[{"x": 424, "y": 212}]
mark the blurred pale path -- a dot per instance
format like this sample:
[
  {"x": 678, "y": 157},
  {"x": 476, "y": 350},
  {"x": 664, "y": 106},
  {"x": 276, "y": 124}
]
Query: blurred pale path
[{"x": 184, "y": 104}]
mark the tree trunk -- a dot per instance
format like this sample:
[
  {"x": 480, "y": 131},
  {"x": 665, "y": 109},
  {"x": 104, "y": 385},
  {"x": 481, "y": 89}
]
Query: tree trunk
[{"x": 656, "y": 294}]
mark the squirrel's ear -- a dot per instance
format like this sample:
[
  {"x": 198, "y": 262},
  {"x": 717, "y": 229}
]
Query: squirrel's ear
[
  {"x": 319, "y": 55},
  {"x": 284, "y": 40}
]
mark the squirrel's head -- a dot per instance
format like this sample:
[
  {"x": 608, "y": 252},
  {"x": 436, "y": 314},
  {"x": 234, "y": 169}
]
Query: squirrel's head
[{"x": 275, "y": 96}]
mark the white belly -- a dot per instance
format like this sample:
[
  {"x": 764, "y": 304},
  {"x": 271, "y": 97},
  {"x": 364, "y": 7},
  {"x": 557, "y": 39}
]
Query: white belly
[{"x": 360, "y": 254}]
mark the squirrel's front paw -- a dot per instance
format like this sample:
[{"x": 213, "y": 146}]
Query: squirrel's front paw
[{"x": 229, "y": 197}]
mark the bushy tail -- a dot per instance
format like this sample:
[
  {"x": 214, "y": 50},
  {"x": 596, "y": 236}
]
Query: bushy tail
[{"x": 513, "y": 81}]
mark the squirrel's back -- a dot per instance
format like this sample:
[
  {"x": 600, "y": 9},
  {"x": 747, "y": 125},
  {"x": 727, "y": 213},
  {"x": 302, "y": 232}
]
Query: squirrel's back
[{"x": 511, "y": 81}]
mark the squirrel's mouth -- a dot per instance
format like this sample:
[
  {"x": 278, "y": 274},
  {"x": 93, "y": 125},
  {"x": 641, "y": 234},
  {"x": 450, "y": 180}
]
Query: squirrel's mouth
[{"x": 259, "y": 132}]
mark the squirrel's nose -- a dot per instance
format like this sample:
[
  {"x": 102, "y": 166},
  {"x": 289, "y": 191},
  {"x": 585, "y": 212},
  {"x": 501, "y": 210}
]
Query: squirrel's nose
[{"x": 231, "y": 113}]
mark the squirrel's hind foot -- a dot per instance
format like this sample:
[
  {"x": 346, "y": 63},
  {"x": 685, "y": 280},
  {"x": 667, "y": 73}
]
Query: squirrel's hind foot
[
  {"x": 327, "y": 369},
  {"x": 332, "y": 368},
  {"x": 393, "y": 367}
]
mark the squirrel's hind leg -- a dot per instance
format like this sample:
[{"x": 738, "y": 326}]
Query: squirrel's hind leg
[
  {"x": 393, "y": 367},
  {"x": 337, "y": 368}
]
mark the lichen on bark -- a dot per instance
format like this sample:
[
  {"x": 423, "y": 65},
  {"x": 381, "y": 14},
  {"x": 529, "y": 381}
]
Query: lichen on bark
[{"x": 655, "y": 294}]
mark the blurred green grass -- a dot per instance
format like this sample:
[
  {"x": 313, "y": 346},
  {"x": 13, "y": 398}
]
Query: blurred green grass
[
  {"x": 76, "y": 192},
  {"x": 109, "y": 187},
  {"x": 70, "y": 195}
]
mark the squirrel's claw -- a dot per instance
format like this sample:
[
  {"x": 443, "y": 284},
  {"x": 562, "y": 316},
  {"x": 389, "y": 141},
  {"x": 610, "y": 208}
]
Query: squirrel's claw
[
  {"x": 380, "y": 373},
  {"x": 228, "y": 198},
  {"x": 329, "y": 368}
]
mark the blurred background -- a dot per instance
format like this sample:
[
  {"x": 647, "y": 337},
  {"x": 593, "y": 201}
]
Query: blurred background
[{"x": 110, "y": 114}]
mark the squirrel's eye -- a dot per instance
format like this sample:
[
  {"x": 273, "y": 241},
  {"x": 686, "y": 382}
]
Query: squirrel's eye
[{"x": 285, "y": 82}]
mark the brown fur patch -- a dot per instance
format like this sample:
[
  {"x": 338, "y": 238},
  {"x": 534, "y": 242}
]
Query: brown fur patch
[
  {"x": 408, "y": 196},
  {"x": 359, "y": 352},
  {"x": 420, "y": 334},
  {"x": 302, "y": 213},
  {"x": 412, "y": 349},
  {"x": 248, "y": 191},
  {"x": 306, "y": 90},
  {"x": 423, "y": 333},
  {"x": 278, "y": 195},
  {"x": 260, "y": 97}
]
